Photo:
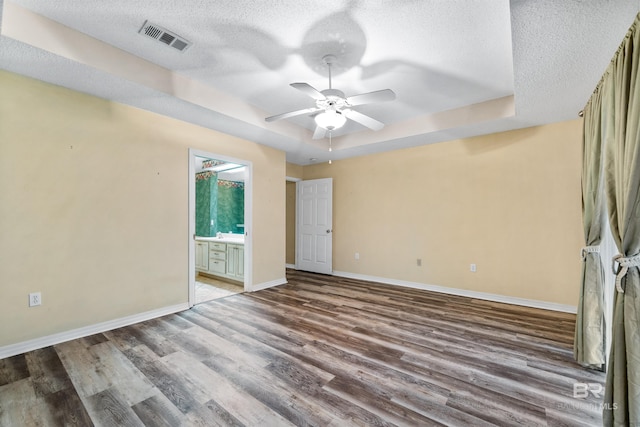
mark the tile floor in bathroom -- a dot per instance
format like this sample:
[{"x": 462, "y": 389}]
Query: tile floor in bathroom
[{"x": 209, "y": 288}]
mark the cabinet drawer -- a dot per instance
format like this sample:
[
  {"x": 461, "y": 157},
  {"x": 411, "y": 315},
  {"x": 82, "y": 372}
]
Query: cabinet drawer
[
  {"x": 217, "y": 255},
  {"x": 217, "y": 266},
  {"x": 216, "y": 246}
]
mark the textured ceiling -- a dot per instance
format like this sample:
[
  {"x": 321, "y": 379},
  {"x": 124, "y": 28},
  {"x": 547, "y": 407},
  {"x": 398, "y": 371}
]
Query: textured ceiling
[{"x": 459, "y": 68}]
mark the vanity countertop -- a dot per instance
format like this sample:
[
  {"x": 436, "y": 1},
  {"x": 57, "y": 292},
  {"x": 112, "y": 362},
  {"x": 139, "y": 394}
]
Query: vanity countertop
[{"x": 237, "y": 239}]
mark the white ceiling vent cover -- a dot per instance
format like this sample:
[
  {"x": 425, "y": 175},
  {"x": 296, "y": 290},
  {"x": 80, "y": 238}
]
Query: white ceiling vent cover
[{"x": 156, "y": 32}]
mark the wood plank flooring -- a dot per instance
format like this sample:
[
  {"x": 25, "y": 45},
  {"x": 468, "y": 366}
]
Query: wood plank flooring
[{"x": 319, "y": 351}]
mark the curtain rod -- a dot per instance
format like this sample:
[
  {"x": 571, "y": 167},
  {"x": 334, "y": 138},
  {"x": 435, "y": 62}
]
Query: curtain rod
[{"x": 615, "y": 55}]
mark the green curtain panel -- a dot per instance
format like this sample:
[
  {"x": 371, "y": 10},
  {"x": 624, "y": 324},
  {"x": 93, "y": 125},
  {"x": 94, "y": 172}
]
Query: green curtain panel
[
  {"x": 230, "y": 210},
  {"x": 206, "y": 203},
  {"x": 620, "y": 89},
  {"x": 219, "y": 205},
  {"x": 589, "y": 343}
]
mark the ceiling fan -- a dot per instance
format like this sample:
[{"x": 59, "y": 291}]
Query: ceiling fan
[{"x": 333, "y": 108}]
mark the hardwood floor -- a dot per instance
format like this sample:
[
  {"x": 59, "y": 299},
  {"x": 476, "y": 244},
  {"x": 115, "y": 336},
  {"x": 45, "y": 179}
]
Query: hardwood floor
[{"x": 321, "y": 351}]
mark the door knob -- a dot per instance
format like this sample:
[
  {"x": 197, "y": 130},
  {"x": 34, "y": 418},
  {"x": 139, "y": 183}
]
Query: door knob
[{"x": 328, "y": 231}]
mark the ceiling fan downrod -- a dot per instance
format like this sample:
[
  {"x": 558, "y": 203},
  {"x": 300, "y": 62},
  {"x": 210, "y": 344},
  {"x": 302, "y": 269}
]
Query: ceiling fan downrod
[{"x": 329, "y": 60}]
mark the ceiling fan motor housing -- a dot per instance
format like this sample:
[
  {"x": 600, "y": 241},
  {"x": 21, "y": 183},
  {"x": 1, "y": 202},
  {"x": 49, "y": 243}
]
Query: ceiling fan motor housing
[{"x": 334, "y": 100}]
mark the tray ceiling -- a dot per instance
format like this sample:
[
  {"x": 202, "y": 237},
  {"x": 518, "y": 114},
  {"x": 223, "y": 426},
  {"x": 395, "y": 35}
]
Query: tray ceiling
[{"x": 458, "y": 68}]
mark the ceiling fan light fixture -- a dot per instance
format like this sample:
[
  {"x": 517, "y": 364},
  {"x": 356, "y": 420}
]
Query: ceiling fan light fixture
[{"x": 330, "y": 119}]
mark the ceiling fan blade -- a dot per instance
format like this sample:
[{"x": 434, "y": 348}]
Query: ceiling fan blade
[
  {"x": 319, "y": 133},
  {"x": 371, "y": 97},
  {"x": 309, "y": 90},
  {"x": 364, "y": 120},
  {"x": 292, "y": 114}
]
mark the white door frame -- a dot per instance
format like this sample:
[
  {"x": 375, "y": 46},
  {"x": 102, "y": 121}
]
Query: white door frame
[
  {"x": 295, "y": 220},
  {"x": 248, "y": 218}
]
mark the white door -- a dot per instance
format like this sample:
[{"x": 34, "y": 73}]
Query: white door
[{"x": 315, "y": 225}]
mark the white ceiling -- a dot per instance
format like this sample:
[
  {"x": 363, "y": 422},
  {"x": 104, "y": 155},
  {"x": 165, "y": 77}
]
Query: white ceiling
[{"x": 458, "y": 67}]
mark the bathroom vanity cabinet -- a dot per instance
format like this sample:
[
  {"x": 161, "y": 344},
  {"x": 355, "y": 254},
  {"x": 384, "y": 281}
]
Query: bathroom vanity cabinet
[
  {"x": 235, "y": 261},
  {"x": 218, "y": 257},
  {"x": 202, "y": 256}
]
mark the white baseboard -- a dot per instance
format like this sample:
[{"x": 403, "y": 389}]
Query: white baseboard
[
  {"x": 265, "y": 285},
  {"x": 462, "y": 292},
  {"x": 34, "y": 344},
  {"x": 293, "y": 266}
]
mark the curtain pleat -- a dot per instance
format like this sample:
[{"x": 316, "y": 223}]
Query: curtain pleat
[
  {"x": 589, "y": 343},
  {"x": 620, "y": 90}
]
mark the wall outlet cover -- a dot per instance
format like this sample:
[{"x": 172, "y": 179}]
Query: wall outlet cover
[{"x": 35, "y": 298}]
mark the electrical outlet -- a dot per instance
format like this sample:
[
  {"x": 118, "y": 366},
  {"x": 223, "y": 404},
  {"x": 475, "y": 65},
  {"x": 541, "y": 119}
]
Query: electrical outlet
[
  {"x": 357, "y": 255},
  {"x": 419, "y": 262},
  {"x": 35, "y": 298},
  {"x": 472, "y": 268}
]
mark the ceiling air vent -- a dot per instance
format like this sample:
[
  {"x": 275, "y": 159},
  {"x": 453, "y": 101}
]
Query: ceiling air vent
[{"x": 156, "y": 32}]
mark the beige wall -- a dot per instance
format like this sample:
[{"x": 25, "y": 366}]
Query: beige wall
[
  {"x": 293, "y": 171},
  {"x": 508, "y": 202},
  {"x": 291, "y": 222},
  {"x": 94, "y": 208}
]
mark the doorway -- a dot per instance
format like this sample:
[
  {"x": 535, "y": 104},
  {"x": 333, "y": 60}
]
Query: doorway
[
  {"x": 219, "y": 226},
  {"x": 290, "y": 188},
  {"x": 314, "y": 225}
]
